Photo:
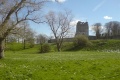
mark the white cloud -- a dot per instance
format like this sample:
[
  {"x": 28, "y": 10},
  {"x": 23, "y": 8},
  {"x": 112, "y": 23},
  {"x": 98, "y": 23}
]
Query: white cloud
[
  {"x": 73, "y": 23},
  {"x": 107, "y": 17},
  {"x": 60, "y": 1}
]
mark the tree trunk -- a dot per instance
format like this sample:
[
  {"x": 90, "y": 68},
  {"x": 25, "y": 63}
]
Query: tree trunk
[
  {"x": 1, "y": 48},
  {"x": 58, "y": 47},
  {"x": 41, "y": 48},
  {"x": 24, "y": 44}
]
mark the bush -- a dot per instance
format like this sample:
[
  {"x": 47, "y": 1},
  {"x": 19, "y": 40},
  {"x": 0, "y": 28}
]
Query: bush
[
  {"x": 45, "y": 48},
  {"x": 81, "y": 41}
]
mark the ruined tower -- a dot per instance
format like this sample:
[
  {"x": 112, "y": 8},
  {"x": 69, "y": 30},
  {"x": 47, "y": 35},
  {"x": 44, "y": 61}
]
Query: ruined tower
[{"x": 82, "y": 28}]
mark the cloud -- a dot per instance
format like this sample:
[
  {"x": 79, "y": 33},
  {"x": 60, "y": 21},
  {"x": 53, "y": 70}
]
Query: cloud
[
  {"x": 99, "y": 5},
  {"x": 73, "y": 23},
  {"x": 107, "y": 17},
  {"x": 60, "y": 1}
]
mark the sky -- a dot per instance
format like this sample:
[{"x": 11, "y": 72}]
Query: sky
[{"x": 92, "y": 11}]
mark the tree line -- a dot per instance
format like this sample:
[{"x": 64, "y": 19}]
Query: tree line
[
  {"x": 110, "y": 29},
  {"x": 14, "y": 15}
]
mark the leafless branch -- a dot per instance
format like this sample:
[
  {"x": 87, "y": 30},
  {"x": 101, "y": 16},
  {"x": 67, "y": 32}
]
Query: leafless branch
[{"x": 59, "y": 25}]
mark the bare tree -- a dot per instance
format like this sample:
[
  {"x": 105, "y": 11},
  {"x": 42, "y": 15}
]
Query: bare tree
[
  {"x": 97, "y": 29},
  {"x": 27, "y": 34},
  {"x": 112, "y": 28},
  {"x": 41, "y": 39},
  {"x": 59, "y": 24},
  {"x": 30, "y": 37},
  {"x": 13, "y": 12},
  {"x": 108, "y": 27}
]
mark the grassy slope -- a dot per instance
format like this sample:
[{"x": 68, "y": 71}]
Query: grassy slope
[
  {"x": 96, "y": 45},
  {"x": 105, "y": 44},
  {"x": 80, "y": 65}
]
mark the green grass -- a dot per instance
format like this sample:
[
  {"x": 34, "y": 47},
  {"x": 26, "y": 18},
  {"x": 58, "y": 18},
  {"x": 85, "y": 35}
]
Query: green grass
[
  {"x": 81, "y": 65},
  {"x": 95, "y": 45},
  {"x": 13, "y": 46},
  {"x": 105, "y": 44}
]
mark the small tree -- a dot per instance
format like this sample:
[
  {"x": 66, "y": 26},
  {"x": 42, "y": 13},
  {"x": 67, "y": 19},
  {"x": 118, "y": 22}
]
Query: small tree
[
  {"x": 42, "y": 39},
  {"x": 60, "y": 25},
  {"x": 97, "y": 29}
]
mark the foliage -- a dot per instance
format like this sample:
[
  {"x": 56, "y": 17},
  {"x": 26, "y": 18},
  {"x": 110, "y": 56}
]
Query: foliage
[
  {"x": 81, "y": 41},
  {"x": 45, "y": 48},
  {"x": 83, "y": 65}
]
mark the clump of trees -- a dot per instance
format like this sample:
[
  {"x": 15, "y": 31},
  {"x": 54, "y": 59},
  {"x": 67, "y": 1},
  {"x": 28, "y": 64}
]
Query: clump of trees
[
  {"x": 23, "y": 34},
  {"x": 109, "y": 30},
  {"x": 13, "y": 12},
  {"x": 112, "y": 28}
]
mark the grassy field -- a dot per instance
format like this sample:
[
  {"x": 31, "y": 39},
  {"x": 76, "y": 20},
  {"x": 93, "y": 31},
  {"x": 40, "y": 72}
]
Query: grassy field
[{"x": 80, "y": 65}]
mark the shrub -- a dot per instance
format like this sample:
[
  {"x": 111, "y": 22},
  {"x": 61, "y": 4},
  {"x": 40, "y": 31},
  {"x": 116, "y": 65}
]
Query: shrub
[
  {"x": 81, "y": 41},
  {"x": 45, "y": 48}
]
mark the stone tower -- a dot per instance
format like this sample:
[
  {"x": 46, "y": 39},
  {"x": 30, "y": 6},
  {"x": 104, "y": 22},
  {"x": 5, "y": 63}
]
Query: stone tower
[{"x": 82, "y": 28}]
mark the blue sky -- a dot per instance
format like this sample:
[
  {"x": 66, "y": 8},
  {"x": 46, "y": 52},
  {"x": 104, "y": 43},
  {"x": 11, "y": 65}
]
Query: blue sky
[{"x": 92, "y": 11}]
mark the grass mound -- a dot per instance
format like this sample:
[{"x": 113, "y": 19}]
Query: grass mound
[
  {"x": 102, "y": 45},
  {"x": 95, "y": 45}
]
